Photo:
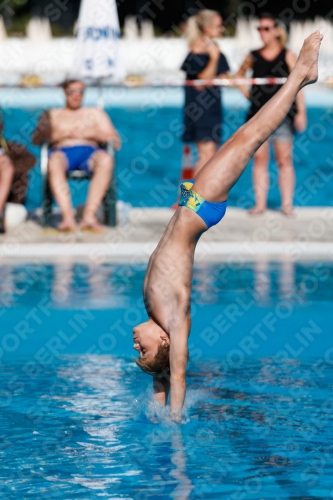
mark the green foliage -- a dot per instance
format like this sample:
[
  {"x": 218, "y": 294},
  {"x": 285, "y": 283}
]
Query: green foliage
[{"x": 16, "y": 5}]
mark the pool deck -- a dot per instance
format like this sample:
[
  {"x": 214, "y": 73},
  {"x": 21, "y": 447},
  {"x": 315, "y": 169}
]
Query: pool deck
[{"x": 306, "y": 235}]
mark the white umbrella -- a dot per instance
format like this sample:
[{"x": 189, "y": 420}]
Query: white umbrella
[{"x": 97, "y": 53}]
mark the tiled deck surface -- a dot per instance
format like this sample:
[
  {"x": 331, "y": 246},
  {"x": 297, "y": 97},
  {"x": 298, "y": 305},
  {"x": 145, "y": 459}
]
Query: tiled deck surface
[{"x": 309, "y": 233}]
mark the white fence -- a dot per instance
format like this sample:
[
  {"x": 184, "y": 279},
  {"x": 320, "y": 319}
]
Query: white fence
[{"x": 151, "y": 57}]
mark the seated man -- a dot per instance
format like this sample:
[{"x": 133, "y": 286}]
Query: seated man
[{"x": 75, "y": 134}]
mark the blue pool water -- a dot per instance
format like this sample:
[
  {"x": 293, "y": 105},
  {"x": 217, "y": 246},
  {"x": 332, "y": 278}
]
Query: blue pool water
[
  {"x": 77, "y": 419},
  {"x": 151, "y": 153}
]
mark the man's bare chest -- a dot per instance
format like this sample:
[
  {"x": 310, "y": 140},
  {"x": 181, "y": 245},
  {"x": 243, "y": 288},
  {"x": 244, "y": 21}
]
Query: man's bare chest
[{"x": 73, "y": 119}]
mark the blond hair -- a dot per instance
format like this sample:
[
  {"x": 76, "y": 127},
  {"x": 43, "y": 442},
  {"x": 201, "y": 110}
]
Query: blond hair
[
  {"x": 195, "y": 24},
  {"x": 283, "y": 35},
  {"x": 159, "y": 365}
]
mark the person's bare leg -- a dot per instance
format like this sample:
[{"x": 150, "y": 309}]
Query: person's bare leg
[
  {"x": 217, "y": 177},
  {"x": 260, "y": 179},
  {"x": 102, "y": 166},
  {"x": 283, "y": 154},
  {"x": 6, "y": 179},
  {"x": 60, "y": 189},
  {"x": 205, "y": 151}
]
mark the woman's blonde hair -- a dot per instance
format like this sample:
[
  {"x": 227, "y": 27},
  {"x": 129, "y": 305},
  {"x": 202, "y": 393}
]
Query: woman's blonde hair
[
  {"x": 195, "y": 24},
  {"x": 283, "y": 35}
]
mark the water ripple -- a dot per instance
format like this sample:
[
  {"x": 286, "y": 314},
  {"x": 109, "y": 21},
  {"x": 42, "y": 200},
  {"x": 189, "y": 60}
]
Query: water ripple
[{"x": 87, "y": 428}]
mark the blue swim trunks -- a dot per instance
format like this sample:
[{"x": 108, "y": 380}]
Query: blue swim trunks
[
  {"x": 77, "y": 156},
  {"x": 210, "y": 212}
]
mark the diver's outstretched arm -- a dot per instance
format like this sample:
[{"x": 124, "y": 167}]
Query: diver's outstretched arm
[
  {"x": 178, "y": 360},
  {"x": 220, "y": 173}
]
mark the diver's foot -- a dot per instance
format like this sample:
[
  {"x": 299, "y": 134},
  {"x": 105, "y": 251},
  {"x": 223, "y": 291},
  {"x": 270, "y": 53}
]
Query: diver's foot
[
  {"x": 257, "y": 210},
  {"x": 287, "y": 210},
  {"x": 92, "y": 225},
  {"x": 307, "y": 62},
  {"x": 67, "y": 225},
  {"x": 2, "y": 222}
]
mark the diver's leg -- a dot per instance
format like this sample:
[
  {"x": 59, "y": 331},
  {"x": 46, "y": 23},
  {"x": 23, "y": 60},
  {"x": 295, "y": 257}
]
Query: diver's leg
[{"x": 217, "y": 177}]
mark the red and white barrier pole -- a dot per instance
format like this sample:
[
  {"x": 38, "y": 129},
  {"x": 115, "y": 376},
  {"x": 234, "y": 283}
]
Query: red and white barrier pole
[
  {"x": 219, "y": 82},
  {"x": 172, "y": 82},
  {"x": 187, "y": 164},
  {"x": 188, "y": 167}
]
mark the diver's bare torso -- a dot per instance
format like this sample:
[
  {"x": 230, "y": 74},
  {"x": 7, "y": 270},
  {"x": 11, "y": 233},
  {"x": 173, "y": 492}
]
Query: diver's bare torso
[{"x": 168, "y": 281}]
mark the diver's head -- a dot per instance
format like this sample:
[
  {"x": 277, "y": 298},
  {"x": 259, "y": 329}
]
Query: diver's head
[{"x": 153, "y": 345}]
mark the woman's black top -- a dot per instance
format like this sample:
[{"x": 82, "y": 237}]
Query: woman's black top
[
  {"x": 260, "y": 94},
  {"x": 202, "y": 111}
]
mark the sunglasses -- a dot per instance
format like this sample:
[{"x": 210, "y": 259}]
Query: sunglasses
[
  {"x": 74, "y": 91},
  {"x": 266, "y": 28}
]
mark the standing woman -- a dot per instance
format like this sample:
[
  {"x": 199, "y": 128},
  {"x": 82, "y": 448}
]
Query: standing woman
[
  {"x": 203, "y": 112},
  {"x": 273, "y": 60}
]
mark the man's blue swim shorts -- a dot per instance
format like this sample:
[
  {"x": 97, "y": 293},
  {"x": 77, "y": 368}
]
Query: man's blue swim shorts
[{"x": 77, "y": 156}]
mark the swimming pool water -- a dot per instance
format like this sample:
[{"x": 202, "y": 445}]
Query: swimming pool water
[
  {"x": 84, "y": 429},
  {"x": 77, "y": 419},
  {"x": 152, "y": 149}
]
